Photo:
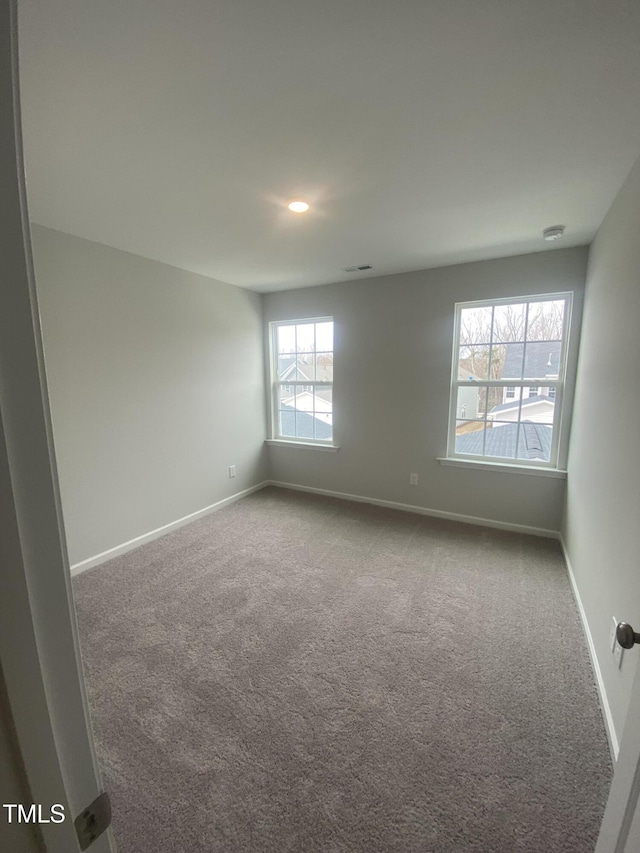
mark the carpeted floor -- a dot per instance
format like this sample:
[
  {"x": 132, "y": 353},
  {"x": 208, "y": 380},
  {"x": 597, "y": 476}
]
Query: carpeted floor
[{"x": 298, "y": 674}]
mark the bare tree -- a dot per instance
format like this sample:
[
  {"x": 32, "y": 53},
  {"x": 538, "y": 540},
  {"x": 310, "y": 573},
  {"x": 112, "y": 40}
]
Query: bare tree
[{"x": 483, "y": 344}]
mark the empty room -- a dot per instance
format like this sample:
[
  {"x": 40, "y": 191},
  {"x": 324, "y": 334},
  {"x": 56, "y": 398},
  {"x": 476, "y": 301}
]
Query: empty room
[{"x": 321, "y": 531}]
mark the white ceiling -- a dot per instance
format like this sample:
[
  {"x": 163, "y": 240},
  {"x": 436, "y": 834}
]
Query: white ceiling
[{"x": 422, "y": 132}]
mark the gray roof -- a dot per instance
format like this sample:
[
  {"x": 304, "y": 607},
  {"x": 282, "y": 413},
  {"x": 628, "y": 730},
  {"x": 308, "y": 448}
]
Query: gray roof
[
  {"x": 307, "y": 425},
  {"x": 535, "y": 441},
  {"x": 528, "y": 401},
  {"x": 542, "y": 358}
]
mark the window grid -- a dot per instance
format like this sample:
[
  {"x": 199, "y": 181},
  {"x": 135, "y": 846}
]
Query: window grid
[
  {"x": 312, "y": 423},
  {"x": 553, "y": 385}
]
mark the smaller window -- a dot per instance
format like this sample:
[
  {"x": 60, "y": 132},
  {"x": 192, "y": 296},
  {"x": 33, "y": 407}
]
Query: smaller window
[
  {"x": 552, "y": 393},
  {"x": 533, "y": 391},
  {"x": 511, "y": 392},
  {"x": 302, "y": 380}
]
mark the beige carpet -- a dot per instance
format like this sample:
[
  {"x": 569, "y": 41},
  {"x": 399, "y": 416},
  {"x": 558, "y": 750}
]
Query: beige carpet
[{"x": 297, "y": 673}]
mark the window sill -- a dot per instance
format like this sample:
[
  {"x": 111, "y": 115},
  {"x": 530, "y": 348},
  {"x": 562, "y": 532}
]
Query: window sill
[
  {"x": 503, "y": 466},
  {"x": 307, "y": 445}
]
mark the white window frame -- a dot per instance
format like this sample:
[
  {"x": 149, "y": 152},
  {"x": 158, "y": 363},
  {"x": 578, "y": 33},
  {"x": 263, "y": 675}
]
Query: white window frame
[
  {"x": 275, "y": 383},
  {"x": 558, "y": 384}
]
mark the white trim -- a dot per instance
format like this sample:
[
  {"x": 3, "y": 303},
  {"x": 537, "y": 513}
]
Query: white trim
[
  {"x": 281, "y": 442},
  {"x": 421, "y": 510},
  {"x": 116, "y": 551},
  {"x": 502, "y": 466},
  {"x": 609, "y": 726}
]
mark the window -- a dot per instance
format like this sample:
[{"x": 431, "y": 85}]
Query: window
[
  {"x": 302, "y": 380},
  {"x": 508, "y": 378}
]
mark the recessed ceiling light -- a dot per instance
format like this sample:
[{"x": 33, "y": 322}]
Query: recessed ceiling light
[
  {"x": 553, "y": 233},
  {"x": 298, "y": 206}
]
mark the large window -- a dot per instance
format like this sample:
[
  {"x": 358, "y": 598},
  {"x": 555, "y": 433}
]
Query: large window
[
  {"x": 508, "y": 379},
  {"x": 302, "y": 380}
]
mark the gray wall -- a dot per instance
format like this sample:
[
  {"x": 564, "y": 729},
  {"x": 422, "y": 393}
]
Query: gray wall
[
  {"x": 156, "y": 385},
  {"x": 393, "y": 338},
  {"x": 601, "y": 527}
]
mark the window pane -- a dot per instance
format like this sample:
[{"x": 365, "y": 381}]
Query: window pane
[
  {"x": 538, "y": 408},
  {"x": 488, "y": 399},
  {"x": 470, "y": 438},
  {"x": 508, "y": 323},
  {"x": 307, "y": 413},
  {"x": 286, "y": 338},
  {"x": 545, "y": 320},
  {"x": 305, "y": 337},
  {"x": 475, "y": 325},
  {"x": 501, "y": 440},
  {"x": 286, "y": 366},
  {"x": 324, "y": 366},
  {"x": 473, "y": 362},
  {"x": 542, "y": 360},
  {"x": 305, "y": 367},
  {"x": 323, "y": 399},
  {"x": 324, "y": 336},
  {"x": 506, "y": 361},
  {"x": 286, "y": 396},
  {"x": 287, "y": 423},
  {"x": 535, "y": 441},
  {"x": 469, "y": 403},
  {"x": 503, "y": 407}
]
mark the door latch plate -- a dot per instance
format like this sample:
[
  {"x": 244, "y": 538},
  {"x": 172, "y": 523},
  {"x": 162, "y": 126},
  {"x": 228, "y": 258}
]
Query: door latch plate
[{"x": 92, "y": 821}]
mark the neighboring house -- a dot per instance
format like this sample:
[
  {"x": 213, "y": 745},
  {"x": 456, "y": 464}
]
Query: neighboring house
[
  {"x": 302, "y": 370},
  {"x": 534, "y": 443},
  {"x": 537, "y": 409},
  {"x": 306, "y": 401},
  {"x": 467, "y": 405},
  {"x": 541, "y": 360},
  {"x": 302, "y": 397}
]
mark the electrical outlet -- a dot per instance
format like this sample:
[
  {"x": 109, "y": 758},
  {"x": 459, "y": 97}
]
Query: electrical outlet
[
  {"x": 232, "y": 471},
  {"x": 413, "y": 479},
  {"x": 612, "y": 634}
]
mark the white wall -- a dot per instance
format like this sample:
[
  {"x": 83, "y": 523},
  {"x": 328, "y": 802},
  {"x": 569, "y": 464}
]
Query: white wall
[
  {"x": 156, "y": 385},
  {"x": 393, "y": 340},
  {"x": 601, "y": 526}
]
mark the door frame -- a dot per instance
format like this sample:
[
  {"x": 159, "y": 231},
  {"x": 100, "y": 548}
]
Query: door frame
[
  {"x": 39, "y": 647},
  {"x": 623, "y": 804}
]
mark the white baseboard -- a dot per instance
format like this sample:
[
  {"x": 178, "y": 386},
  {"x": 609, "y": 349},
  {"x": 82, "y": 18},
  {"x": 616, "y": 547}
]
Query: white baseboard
[
  {"x": 89, "y": 563},
  {"x": 610, "y": 729},
  {"x": 436, "y": 513}
]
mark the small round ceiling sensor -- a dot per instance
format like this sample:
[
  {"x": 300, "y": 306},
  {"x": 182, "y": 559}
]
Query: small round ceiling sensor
[
  {"x": 553, "y": 233},
  {"x": 298, "y": 206}
]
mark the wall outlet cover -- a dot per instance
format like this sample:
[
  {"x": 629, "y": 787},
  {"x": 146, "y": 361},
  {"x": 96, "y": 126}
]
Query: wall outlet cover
[{"x": 413, "y": 479}]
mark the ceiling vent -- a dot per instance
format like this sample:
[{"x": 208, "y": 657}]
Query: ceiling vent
[{"x": 358, "y": 268}]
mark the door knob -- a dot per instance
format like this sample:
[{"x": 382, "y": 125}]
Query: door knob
[{"x": 626, "y": 636}]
